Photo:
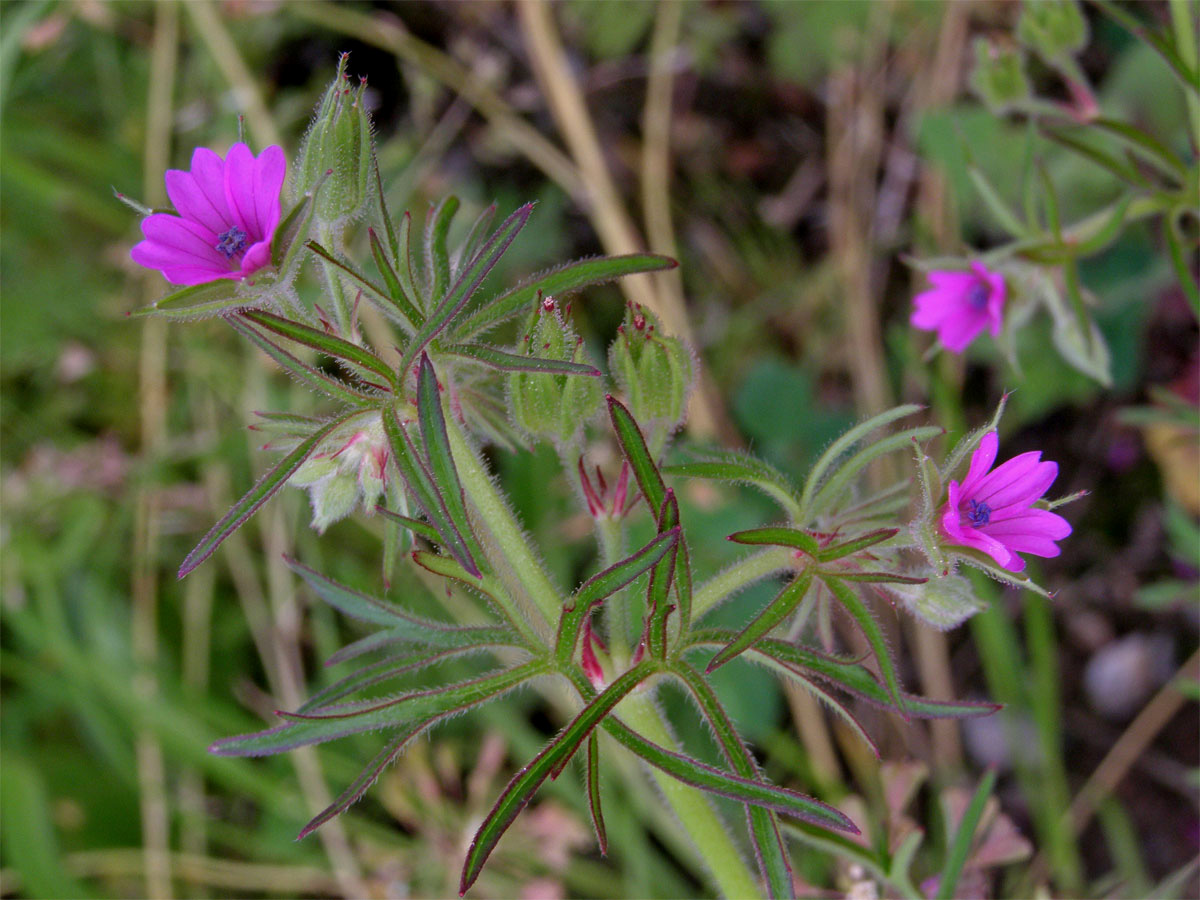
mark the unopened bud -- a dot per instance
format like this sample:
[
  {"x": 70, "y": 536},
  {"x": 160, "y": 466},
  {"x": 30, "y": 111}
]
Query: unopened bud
[
  {"x": 999, "y": 77},
  {"x": 548, "y": 406},
  {"x": 654, "y": 370},
  {"x": 336, "y": 154},
  {"x": 1053, "y": 29}
]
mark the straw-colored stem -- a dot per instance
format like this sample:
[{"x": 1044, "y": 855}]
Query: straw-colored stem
[{"x": 152, "y": 393}]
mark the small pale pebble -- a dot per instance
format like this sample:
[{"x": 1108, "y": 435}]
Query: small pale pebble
[{"x": 1121, "y": 676}]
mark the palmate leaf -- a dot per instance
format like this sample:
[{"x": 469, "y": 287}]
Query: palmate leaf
[
  {"x": 384, "y": 670},
  {"x": 520, "y": 790},
  {"x": 857, "y": 609},
  {"x": 562, "y": 280},
  {"x": 332, "y": 387},
  {"x": 777, "y": 610},
  {"x": 592, "y": 778},
  {"x": 851, "y": 677},
  {"x": 262, "y": 491},
  {"x": 605, "y": 584},
  {"x": 403, "y": 711},
  {"x": 437, "y": 254},
  {"x": 397, "y": 292},
  {"x": 715, "y": 781},
  {"x": 654, "y": 489},
  {"x": 197, "y": 301},
  {"x": 516, "y": 362},
  {"x": 779, "y": 536},
  {"x": 769, "y": 848},
  {"x": 390, "y": 300},
  {"x": 816, "y": 477},
  {"x": 425, "y": 490},
  {"x": 452, "y": 636},
  {"x": 744, "y": 469},
  {"x": 466, "y": 285},
  {"x": 325, "y": 343},
  {"x": 361, "y": 606},
  {"x": 839, "y": 482},
  {"x": 367, "y": 776},
  {"x": 855, "y": 544},
  {"x": 441, "y": 461}
]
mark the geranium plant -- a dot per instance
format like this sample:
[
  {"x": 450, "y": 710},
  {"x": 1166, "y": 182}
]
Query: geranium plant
[{"x": 401, "y": 439}]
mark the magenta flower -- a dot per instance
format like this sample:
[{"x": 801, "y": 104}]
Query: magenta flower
[
  {"x": 960, "y": 305},
  {"x": 228, "y": 211},
  {"x": 994, "y": 512}
]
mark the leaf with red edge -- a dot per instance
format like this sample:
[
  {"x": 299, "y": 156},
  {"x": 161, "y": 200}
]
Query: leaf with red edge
[
  {"x": 520, "y": 790},
  {"x": 323, "y": 342},
  {"x": 776, "y": 611},
  {"x": 258, "y": 495},
  {"x": 593, "y": 793}
]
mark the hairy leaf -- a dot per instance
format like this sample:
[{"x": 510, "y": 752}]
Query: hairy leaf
[
  {"x": 777, "y": 610},
  {"x": 324, "y": 343},
  {"x": 516, "y": 362}
]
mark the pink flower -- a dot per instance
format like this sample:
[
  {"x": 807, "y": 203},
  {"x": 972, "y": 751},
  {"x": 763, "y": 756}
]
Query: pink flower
[
  {"x": 228, "y": 212},
  {"x": 960, "y": 305},
  {"x": 994, "y": 512}
]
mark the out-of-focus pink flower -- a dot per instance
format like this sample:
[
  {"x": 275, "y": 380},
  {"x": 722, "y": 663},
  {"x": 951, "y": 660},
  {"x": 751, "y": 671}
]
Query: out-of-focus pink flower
[
  {"x": 959, "y": 305},
  {"x": 228, "y": 211},
  {"x": 993, "y": 511}
]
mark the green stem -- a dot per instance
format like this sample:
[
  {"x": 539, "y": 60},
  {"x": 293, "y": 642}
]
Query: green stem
[
  {"x": 506, "y": 533},
  {"x": 695, "y": 814},
  {"x": 738, "y": 576},
  {"x": 333, "y": 284},
  {"x": 1184, "y": 27},
  {"x": 698, "y": 819}
]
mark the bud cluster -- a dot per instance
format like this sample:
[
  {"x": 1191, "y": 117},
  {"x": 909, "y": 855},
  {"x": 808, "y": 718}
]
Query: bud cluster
[
  {"x": 548, "y": 406},
  {"x": 655, "y": 372},
  {"x": 351, "y": 471}
]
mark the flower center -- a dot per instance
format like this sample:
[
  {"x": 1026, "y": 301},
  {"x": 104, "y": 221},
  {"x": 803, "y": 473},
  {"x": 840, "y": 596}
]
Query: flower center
[
  {"x": 231, "y": 242},
  {"x": 977, "y": 296},
  {"x": 980, "y": 513}
]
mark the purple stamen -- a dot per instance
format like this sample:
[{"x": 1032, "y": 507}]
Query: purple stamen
[
  {"x": 980, "y": 513},
  {"x": 977, "y": 296},
  {"x": 231, "y": 242}
]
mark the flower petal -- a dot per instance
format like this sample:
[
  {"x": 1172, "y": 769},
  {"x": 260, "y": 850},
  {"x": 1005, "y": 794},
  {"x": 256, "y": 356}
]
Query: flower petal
[
  {"x": 981, "y": 460},
  {"x": 269, "y": 171},
  {"x": 194, "y": 203},
  {"x": 1022, "y": 490},
  {"x": 960, "y": 328},
  {"x": 239, "y": 190},
  {"x": 1033, "y": 523},
  {"x": 954, "y": 283},
  {"x": 257, "y": 256},
  {"x": 179, "y": 242}
]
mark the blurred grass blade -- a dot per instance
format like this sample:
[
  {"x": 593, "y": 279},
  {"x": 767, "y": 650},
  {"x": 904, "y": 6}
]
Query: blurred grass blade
[
  {"x": 266, "y": 486},
  {"x": 557, "y": 282},
  {"x": 325, "y": 343},
  {"x": 960, "y": 847},
  {"x": 520, "y": 790},
  {"x": 777, "y": 610},
  {"x": 516, "y": 362}
]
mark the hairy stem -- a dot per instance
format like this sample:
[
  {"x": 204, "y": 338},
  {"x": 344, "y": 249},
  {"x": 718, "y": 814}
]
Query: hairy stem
[
  {"x": 701, "y": 822},
  {"x": 738, "y": 576}
]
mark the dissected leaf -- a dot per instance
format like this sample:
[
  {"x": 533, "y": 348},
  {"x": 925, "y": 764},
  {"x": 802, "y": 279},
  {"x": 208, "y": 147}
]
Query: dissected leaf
[
  {"x": 323, "y": 342},
  {"x": 516, "y": 362},
  {"x": 262, "y": 491},
  {"x": 739, "y": 468},
  {"x": 556, "y": 283},
  {"x": 777, "y": 610}
]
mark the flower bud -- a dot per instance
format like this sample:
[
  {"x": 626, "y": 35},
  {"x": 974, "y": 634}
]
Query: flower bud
[
  {"x": 338, "y": 143},
  {"x": 547, "y": 406},
  {"x": 1054, "y": 29},
  {"x": 349, "y": 470},
  {"x": 654, "y": 370},
  {"x": 999, "y": 77}
]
